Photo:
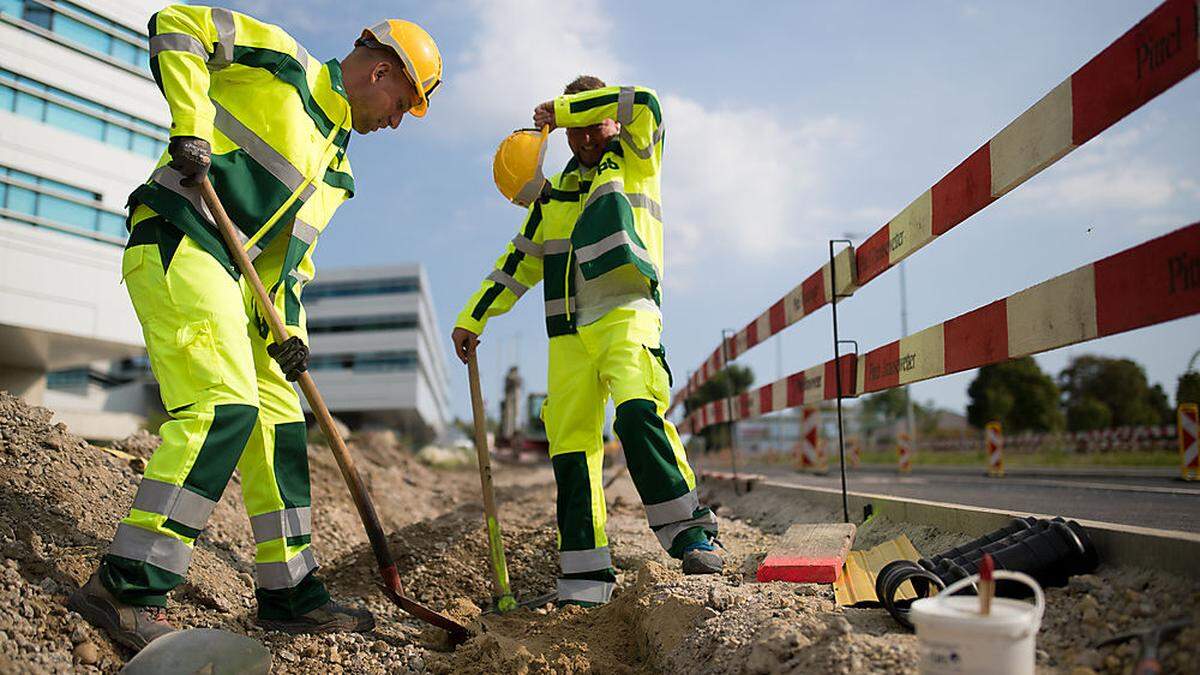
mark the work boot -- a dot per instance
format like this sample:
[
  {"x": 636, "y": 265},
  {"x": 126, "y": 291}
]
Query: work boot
[
  {"x": 328, "y": 618},
  {"x": 130, "y": 625},
  {"x": 702, "y": 558}
]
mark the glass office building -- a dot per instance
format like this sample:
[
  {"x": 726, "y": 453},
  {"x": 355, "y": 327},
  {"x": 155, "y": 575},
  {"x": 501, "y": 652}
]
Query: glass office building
[
  {"x": 81, "y": 124},
  {"x": 376, "y": 349}
]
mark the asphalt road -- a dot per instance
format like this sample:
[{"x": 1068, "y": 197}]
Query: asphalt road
[{"x": 1144, "y": 498}]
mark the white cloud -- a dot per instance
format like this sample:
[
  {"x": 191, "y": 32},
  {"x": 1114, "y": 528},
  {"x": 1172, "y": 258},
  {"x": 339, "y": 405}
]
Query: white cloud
[
  {"x": 524, "y": 52},
  {"x": 743, "y": 183},
  {"x": 740, "y": 182}
]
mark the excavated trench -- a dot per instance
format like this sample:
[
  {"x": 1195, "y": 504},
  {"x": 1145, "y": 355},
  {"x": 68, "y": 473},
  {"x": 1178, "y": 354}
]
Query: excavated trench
[{"x": 60, "y": 500}]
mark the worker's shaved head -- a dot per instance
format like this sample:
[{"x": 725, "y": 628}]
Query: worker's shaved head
[{"x": 584, "y": 83}]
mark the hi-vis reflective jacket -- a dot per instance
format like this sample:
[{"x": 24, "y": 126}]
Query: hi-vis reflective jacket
[
  {"x": 278, "y": 122},
  {"x": 601, "y": 219}
]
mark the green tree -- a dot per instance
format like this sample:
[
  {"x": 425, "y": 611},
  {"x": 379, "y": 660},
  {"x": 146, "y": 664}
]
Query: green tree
[
  {"x": 1187, "y": 388},
  {"x": 1018, "y": 394},
  {"x": 728, "y": 382},
  {"x": 880, "y": 410},
  {"x": 1120, "y": 385}
]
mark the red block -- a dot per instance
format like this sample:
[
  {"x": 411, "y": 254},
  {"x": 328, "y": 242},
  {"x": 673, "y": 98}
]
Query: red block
[
  {"x": 963, "y": 191},
  {"x": 871, "y": 258},
  {"x": 882, "y": 368},
  {"x": 751, "y": 334},
  {"x": 1151, "y": 283},
  {"x": 743, "y": 405},
  {"x": 976, "y": 338},
  {"x": 778, "y": 317},
  {"x": 809, "y": 553},
  {"x": 1153, "y": 56},
  {"x": 812, "y": 290}
]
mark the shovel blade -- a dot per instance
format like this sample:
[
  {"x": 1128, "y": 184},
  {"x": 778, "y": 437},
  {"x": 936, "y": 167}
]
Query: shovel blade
[{"x": 458, "y": 633}]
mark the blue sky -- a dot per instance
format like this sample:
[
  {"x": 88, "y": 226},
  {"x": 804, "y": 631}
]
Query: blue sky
[{"x": 788, "y": 123}]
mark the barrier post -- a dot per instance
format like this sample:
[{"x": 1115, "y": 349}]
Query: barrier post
[
  {"x": 1189, "y": 441},
  {"x": 855, "y": 453},
  {"x": 810, "y": 438},
  {"x": 994, "y": 443},
  {"x": 904, "y": 452}
]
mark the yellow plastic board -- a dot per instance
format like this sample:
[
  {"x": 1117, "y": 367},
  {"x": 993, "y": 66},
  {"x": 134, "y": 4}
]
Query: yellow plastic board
[{"x": 856, "y": 585}]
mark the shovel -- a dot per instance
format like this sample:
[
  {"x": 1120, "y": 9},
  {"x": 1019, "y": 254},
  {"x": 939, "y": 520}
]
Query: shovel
[
  {"x": 501, "y": 592},
  {"x": 358, "y": 490}
]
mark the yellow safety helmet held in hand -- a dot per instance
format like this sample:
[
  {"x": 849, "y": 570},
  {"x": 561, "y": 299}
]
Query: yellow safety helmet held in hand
[
  {"x": 419, "y": 54},
  {"x": 517, "y": 167}
]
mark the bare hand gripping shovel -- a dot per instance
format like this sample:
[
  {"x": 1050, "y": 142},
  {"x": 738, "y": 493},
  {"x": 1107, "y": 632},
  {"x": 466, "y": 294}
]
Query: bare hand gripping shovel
[
  {"x": 366, "y": 510},
  {"x": 501, "y": 592}
]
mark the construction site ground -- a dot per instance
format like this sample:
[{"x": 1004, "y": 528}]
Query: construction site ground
[{"x": 61, "y": 498}]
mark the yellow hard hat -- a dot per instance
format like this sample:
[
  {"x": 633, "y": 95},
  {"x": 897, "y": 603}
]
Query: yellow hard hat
[
  {"x": 419, "y": 54},
  {"x": 517, "y": 167}
]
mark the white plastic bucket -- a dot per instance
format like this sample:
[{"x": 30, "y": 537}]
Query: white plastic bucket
[{"x": 955, "y": 638}]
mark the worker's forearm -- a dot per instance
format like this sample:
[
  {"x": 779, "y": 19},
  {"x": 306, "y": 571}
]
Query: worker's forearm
[{"x": 182, "y": 39}]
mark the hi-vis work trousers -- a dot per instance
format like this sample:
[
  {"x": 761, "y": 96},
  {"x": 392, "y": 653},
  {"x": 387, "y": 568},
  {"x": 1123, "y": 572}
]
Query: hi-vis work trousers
[
  {"x": 230, "y": 406},
  {"x": 619, "y": 356}
]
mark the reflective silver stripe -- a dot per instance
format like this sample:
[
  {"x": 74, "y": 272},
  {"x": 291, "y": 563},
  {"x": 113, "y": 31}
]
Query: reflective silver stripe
[
  {"x": 302, "y": 56},
  {"x": 304, "y": 232},
  {"x": 226, "y": 34},
  {"x": 646, "y": 152},
  {"x": 169, "y": 178},
  {"x": 643, "y": 201},
  {"x": 177, "y": 42},
  {"x": 625, "y": 105},
  {"x": 527, "y": 246},
  {"x": 156, "y": 549},
  {"x": 177, "y": 503},
  {"x": 254, "y": 251},
  {"x": 258, "y": 149},
  {"x": 280, "y": 524},
  {"x": 615, "y": 240},
  {"x": 591, "y": 560},
  {"x": 276, "y": 575},
  {"x": 673, "y": 511},
  {"x": 510, "y": 283},
  {"x": 585, "y": 590},
  {"x": 604, "y": 189},
  {"x": 553, "y": 246},
  {"x": 557, "y": 307},
  {"x": 667, "y": 533}
]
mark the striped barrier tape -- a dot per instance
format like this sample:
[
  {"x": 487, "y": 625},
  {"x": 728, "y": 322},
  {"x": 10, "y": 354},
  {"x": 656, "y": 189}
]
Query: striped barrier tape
[
  {"x": 1153, "y": 56},
  {"x": 1151, "y": 283}
]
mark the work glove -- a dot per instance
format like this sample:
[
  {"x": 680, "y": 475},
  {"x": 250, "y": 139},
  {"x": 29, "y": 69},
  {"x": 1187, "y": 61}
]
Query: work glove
[
  {"x": 292, "y": 356},
  {"x": 191, "y": 157}
]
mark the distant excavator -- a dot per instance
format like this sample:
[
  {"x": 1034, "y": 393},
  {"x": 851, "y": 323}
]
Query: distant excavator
[{"x": 519, "y": 435}]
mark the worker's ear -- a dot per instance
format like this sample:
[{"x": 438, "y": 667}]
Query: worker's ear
[{"x": 380, "y": 72}]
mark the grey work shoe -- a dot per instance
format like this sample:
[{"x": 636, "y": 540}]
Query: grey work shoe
[
  {"x": 328, "y": 618},
  {"x": 130, "y": 625},
  {"x": 700, "y": 561}
]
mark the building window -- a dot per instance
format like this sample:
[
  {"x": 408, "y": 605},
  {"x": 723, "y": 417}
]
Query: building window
[
  {"x": 81, "y": 28},
  {"x": 345, "y": 289},
  {"x": 361, "y": 324},
  {"x": 75, "y": 379},
  {"x": 49, "y": 203},
  {"x": 57, "y": 107},
  {"x": 371, "y": 362}
]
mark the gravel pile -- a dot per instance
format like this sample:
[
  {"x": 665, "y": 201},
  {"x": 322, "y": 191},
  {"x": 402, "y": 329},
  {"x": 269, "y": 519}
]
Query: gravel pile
[{"x": 60, "y": 500}]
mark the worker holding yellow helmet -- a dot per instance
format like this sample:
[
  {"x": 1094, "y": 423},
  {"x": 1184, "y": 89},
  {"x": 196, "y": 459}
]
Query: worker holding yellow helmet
[{"x": 268, "y": 125}]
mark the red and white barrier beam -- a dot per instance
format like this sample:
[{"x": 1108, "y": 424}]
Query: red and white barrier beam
[
  {"x": 1154, "y": 55},
  {"x": 1151, "y": 283}
]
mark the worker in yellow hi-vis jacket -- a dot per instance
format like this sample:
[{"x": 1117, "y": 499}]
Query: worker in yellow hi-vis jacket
[
  {"x": 593, "y": 237},
  {"x": 268, "y": 124}
]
